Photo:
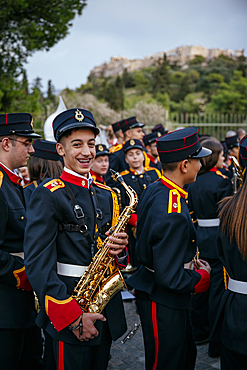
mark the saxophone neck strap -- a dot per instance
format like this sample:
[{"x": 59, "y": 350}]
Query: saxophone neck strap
[{"x": 79, "y": 214}]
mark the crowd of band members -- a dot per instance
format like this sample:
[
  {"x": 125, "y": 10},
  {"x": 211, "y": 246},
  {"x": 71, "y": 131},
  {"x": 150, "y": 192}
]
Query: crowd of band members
[{"x": 136, "y": 157}]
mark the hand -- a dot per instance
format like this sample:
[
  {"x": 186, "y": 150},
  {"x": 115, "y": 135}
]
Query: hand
[
  {"x": 204, "y": 265},
  {"x": 88, "y": 331},
  {"x": 120, "y": 241},
  {"x": 23, "y": 172}
]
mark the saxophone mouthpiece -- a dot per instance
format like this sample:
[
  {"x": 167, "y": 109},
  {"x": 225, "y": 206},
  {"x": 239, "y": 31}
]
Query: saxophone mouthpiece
[{"x": 116, "y": 176}]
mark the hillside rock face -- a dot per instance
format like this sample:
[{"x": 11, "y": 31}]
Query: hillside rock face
[{"x": 182, "y": 55}]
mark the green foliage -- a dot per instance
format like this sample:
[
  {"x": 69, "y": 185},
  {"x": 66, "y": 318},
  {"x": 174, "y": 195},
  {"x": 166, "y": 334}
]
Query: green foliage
[
  {"x": 197, "y": 60},
  {"x": 161, "y": 77}
]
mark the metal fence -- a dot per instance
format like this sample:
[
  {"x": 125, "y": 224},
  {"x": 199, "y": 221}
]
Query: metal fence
[{"x": 215, "y": 124}]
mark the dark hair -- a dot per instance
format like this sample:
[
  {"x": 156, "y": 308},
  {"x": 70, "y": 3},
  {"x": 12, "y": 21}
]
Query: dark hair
[
  {"x": 211, "y": 160},
  {"x": 233, "y": 216},
  {"x": 170, "y": 167},
  {"x": 41, "y": 169}
]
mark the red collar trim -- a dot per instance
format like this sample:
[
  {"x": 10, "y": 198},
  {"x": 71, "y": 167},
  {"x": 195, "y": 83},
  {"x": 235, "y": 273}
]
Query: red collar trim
[
  {"x": 97, "y": 177},
  {"x": 79, "y": 181},
  {"x": 214, "y": 169},
  {"x": 151, "y": 158},
  {"x": 171, "y": 185},
  {"x": 12, "y": 176}
]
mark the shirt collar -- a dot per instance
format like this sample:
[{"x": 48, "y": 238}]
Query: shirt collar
[
  {"x": 171, "y": 185},
  {"x": 137, "y": 172},
  {"x": 76, "y": 179},
  {"x": 97, "y": 177},
  {"x": 12, "y": 176}
]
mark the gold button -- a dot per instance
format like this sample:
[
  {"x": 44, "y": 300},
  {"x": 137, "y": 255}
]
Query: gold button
[
  {"x": 141, "y": 176},
  {"x": 187, "y": 201},
  {"x": 174, "y": 193},
  {"x": 193, "y": 241},
  {"x": 175, "y": 205},
  {"x": 22, "y": 218}
]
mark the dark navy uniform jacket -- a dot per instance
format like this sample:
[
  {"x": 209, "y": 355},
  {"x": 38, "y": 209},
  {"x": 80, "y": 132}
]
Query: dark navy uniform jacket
[
  {"x": 29, "y": 188},
  {"x": 16, "y": 305},
  {"x": 233, "y": 307},
  {"x": 117, "y": 163},
  {"x": 154, "y": 164},
  {"x": 137, "y": 181},
  {"x": 204, "y": 195},
  {"x": 47, "y": 242},
  {"x": 166, "y": 239}
]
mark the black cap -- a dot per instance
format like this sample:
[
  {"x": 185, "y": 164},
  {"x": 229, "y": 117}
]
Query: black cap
[
  {"x": 46, "y": 150},
  {"x": 181, "y": 144},
  {"x": 160, "y": 128},
  {"x": 117, "y": 126},
  {"x": 131, "y": 122},
  {"x": 101, "y": 149},
  {"x": 132, "y": 144},
  {"x": 232, "y": 141},
  {"x": 243, "y": 152},
  {"x": 20, "y": 124},
  {"x": 150, "y": 138},
  {"x": 73, "y": 118}
]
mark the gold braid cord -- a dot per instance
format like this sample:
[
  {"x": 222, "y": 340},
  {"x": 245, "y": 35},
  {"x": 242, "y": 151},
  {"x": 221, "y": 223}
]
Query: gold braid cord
[
  {"x": 226, "y": 276},
  {"x": 102, "y": 279}
]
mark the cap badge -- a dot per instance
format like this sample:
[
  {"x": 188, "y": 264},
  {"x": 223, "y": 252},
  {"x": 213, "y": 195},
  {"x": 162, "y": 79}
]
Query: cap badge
[
  {"x": 79, "y": 116},
  {"x": 100, "y": 147},
  {"x": 132, "y": 142},
  {"x": 31, "y": 123},
  {"x": 159, "y": 134}
]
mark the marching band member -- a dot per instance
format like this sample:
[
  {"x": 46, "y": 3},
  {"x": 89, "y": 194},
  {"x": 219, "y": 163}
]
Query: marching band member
[{"x": 100, "y": 165}]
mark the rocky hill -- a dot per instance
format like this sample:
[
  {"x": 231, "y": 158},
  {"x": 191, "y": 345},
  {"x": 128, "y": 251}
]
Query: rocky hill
[{"x": 182, "y": 55}]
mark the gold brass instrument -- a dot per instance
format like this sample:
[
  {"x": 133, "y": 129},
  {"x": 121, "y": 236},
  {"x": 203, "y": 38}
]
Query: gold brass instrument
[
  {"x": 102, "y": 279},
  {"x": 237, "y": 174},
  {"x": 118, "y": 192}
]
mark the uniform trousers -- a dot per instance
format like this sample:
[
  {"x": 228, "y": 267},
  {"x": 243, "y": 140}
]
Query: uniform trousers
[
  {"x": 232, "y": 360},
  {"x": 21, "y": 349},
  {"x": 168, "y": 337},
  {"x": 71, "y": 357}
]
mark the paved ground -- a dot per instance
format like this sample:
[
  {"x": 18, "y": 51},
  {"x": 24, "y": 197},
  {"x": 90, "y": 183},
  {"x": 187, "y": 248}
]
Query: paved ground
[{"x": 130, "y": 356}]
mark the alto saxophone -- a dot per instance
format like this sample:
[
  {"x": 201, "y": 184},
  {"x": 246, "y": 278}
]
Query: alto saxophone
[{"x": 102, "y": 279}]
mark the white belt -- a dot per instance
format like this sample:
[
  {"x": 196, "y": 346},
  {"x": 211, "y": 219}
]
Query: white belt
[
  {"x": 20, "y": 254},
  {"x": 70, "y": 270},
  {"x": 237, "y": 286},
  {"x": 208, "y": 222}
]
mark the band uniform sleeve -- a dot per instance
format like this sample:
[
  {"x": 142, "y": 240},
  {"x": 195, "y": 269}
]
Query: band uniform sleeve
[
  {"x": 41, "y": 259},
  {"x": 12, "y": 270}
]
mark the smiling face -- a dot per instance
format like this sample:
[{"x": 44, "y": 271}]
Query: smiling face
[{"x": 78, "y": 151}]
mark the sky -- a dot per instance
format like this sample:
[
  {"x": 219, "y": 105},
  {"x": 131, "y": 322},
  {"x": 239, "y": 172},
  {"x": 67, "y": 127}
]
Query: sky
[{"x": 135, "y": 29}]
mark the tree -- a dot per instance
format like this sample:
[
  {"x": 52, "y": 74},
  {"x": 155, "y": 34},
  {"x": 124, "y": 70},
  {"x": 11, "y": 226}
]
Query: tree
[
  {"x": 25, "y": 27},
  {"x": 161, "y": 77},
  {"x": 51, "y": 92}
]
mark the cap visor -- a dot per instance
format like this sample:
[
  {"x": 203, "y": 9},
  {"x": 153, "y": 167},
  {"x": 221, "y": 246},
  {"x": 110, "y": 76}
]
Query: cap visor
[
  {"x": 32, "y": 135},
  {"x": 203, "y": 153},
  {"x": 78, "y": 126}
]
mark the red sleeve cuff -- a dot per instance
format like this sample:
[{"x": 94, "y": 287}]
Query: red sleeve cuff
[
  {"x": 203, "y": 284},
  {"x": 22, "y": 280},
  {"x": 133, "y": 220},
  {"x": 61, "y": 312}
]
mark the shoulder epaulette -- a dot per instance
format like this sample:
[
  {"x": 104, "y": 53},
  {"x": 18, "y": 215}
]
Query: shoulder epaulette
[
  {"x": 221, "y": 174},
  {"x": 54, "y": 185},
  {"x": 146, "y": 160},
  {"x": 1, "y": 178},
  {"x": 125, "y": 172},
  {"x": 174, "y": 202},
  {"x": 116, "y": 148}
]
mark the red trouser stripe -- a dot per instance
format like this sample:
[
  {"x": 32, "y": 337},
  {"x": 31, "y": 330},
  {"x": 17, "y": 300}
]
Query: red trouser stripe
[
  {"x": 156, "y": 335},
  {"x": 60, "y": 356}
]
